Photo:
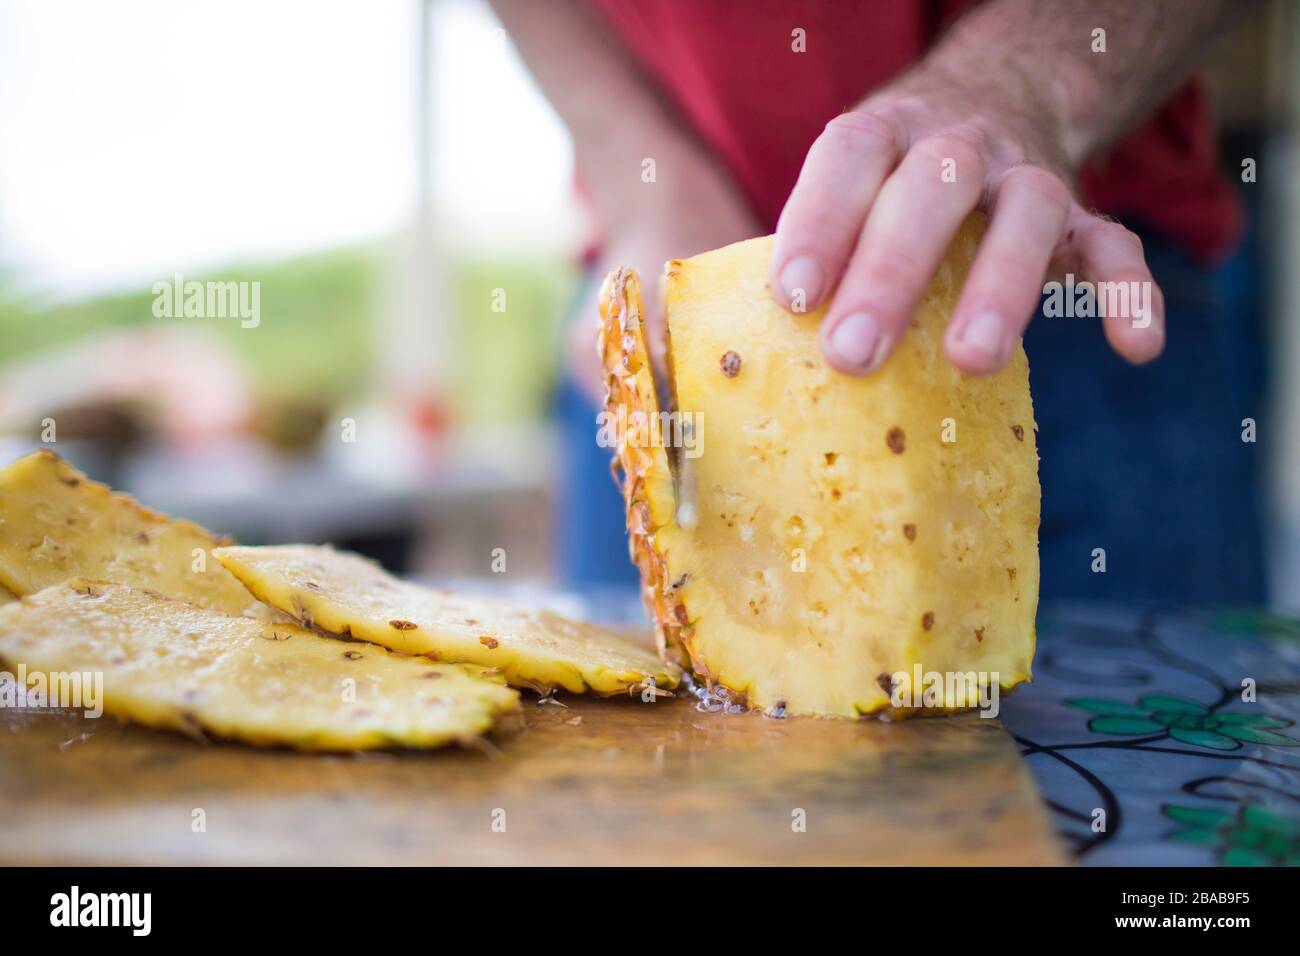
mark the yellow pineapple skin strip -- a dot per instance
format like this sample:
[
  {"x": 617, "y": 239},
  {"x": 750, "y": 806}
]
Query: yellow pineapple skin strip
[
  {"x": 345, "y": 593},
  {"x": 842, "y": 531},
  {"x": 57, "y": 524},
  {"x": 171, "y": 665}
]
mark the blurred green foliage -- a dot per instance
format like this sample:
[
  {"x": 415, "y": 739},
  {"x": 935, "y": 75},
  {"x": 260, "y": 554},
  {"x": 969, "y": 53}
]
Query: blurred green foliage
[
  {"x": 315, "y": 340},
  {"x": 508, "y": 361},
  {"x": 313, "y": 337}
]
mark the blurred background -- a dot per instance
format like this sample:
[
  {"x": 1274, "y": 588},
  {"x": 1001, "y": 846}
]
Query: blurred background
[{"x": 402, "y": 195}]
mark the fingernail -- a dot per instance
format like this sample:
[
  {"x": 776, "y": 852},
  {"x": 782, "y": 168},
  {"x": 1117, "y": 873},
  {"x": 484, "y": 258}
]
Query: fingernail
[
  {"x": 855, "y": 340},
  {"x": 985, "y": 333},
  {"x": 801, "y": 281}
]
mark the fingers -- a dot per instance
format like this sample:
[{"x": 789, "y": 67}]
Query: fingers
[
  {"x": 1006, "y": 280},
  {"x": 908, "y": 230},
  {"x": 1130, "y": 303},
  {"x": 879, "y": 227},
  {"x": 824, "y": 214}
]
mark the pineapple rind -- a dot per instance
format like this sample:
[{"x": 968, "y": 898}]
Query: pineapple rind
[
  {"x": 800, "y": 457},
  {"x": 641, "y": 467},
  {"x": 172, "y": 665}
]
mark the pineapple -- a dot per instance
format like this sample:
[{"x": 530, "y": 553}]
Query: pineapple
[
  {"x": 57, "y": 524},
  {"x": 346, "y": 594},
  {"x": 173, "y": 665},
  {"x": 810, "y": 541},
  {"x": 6, "y": 596}
]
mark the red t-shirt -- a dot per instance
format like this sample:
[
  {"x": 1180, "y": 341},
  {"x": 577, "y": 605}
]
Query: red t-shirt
[{"x": 729, "y": 68}]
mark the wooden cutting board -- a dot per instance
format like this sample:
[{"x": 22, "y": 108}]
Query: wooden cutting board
[{"x": 593, "y": 782}]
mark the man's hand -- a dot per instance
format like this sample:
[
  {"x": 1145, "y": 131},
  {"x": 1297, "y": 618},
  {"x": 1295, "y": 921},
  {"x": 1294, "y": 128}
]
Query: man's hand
[
  {"x": 618, "y": 122},
  {"x": 998, "y": 118},
  {"x": 694, "y": 217}
]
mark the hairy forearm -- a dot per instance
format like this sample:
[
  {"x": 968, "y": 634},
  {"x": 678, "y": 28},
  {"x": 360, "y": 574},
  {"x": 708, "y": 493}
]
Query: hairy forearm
[
  {"x": 1046, "y": 52},
  {"x": 615, "y": 116}
]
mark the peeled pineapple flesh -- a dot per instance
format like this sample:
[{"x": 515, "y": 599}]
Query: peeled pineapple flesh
[
  {"x": 833, "y": 532},
  {"x": 171, "y": 665},
  {"x": 347, "y": 594},
  {"x": 57, "y": 524}
]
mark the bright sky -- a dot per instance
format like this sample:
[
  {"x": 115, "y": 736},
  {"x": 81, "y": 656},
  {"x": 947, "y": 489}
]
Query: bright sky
[{"x": 140, "y": 137}]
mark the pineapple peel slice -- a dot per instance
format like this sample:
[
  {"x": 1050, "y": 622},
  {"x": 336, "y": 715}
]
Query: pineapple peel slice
[
  {"x": 642, "y": 467},
  {"x": 347, "y": 594},
  {"x": 172, "y": 665},
  {"x": 57, "y": 524},
  {"x": 846, "y": 534}
]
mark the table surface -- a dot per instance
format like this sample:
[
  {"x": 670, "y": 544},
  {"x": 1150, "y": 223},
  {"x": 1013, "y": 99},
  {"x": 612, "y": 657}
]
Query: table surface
[
  {"x": 595, "y": 782},
  {"x": 1166, "y": 737},
  {"x": 1148, "y": 737}
]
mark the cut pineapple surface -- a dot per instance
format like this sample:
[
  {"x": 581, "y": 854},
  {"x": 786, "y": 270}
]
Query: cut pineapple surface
[
  {"x": 57, "y": 524},
  {"x": 347, "y": 594},
  {"x": 820, "y": 541},
  {"x": 7, "y": 596},
  {"x": 172, "y": 665}
]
